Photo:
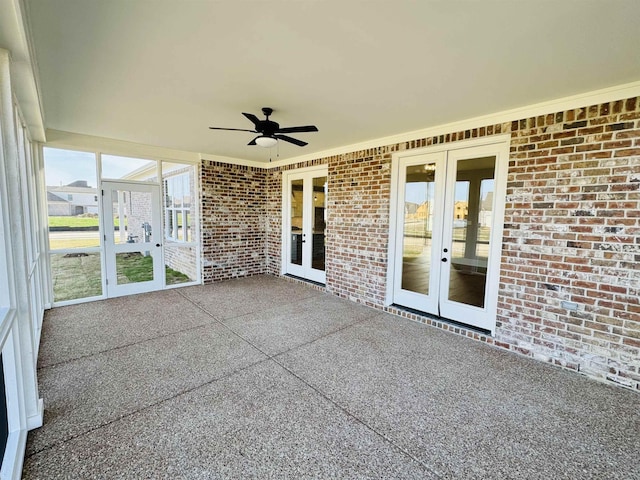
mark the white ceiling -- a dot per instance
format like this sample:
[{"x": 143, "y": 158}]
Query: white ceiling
[{"x": 160, "y": 72}]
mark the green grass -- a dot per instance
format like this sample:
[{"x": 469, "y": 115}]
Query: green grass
[
  {"x": 73, "y": 222},
  {"x": 80, "y": 276},
  {"x": 135, "y": 267},
  {"x": 76, "y": 276},
  {"x": 77, "y": 221}
]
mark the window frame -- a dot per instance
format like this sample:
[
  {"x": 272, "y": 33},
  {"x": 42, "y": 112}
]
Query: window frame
[{"x": 171, "y": 212}]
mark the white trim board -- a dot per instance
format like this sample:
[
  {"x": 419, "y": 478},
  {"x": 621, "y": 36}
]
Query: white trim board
[{"x": 110, "y": 146}]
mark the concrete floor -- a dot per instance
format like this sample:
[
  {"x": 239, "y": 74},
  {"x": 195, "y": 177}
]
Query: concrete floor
[{"x": 265, "y": 378}]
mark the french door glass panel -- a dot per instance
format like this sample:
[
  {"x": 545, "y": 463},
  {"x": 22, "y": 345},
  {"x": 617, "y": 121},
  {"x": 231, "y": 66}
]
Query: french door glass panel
[
  {"x": 417, "y": 230},
  {"x": 471, "y": 231},
  {"x": 297, "y": 221},
  {"x": 319, "y": 223}
]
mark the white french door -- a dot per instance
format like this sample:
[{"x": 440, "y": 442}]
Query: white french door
[
  {"x": 132, "y": 238},
  {"x": 304, "y": 222},
  {"x": 448, "y": 229}
]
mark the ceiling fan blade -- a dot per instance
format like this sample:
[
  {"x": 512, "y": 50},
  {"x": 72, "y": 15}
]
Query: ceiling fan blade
[
  {"x": 234, "y": 129},
  {"x": 295, "y": 141},
  {"x": 252, "y": 118},
  {"x": 306, "y": 128},
  {"x": 253, "y": 142}
]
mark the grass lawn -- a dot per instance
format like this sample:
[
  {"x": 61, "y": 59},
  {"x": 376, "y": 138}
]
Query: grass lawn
[
  {"x": 71, "y": 221},
  {"x": 77, "y": 221},
  {"x": 76, "y": 276},
  {"x": 135, "y": 267},
  {"x": 80, "y": 276}
]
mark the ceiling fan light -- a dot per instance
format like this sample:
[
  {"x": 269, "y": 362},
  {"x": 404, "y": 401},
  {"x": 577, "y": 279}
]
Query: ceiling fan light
[{"x": 266, "y": 142}]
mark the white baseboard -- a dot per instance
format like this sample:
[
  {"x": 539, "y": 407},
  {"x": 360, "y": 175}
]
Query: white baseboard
[{"x": 35, "y": 421}]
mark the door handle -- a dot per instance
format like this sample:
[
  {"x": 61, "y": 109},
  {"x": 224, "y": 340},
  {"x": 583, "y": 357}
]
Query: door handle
[
  {"x": 444, "y": 260},
  {"x": 158, "y": 245}
]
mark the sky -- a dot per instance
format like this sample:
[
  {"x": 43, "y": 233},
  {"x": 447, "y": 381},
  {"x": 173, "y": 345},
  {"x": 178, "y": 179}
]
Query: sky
[{"x": 62, "y": 167}]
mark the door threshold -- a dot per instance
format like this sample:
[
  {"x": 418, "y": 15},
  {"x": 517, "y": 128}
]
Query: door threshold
[
  {"x": 444, "y": 320},
  {"x": 305, "y": 280}
]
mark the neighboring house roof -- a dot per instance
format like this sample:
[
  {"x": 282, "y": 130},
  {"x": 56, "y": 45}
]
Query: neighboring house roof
[
  {"x": 70, "y": 189},
  {"x": 79, "y": 183},
  {"x": 51, "y": 197}
]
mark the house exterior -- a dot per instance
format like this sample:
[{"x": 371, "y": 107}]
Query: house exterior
[
  {"x": 77, "y": 198},
  {"x": 567, "y": 289}
]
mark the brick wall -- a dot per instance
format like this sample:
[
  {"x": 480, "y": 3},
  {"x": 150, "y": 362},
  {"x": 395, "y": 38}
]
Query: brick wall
[
  {"x": 273, "y": 212},
  {"x": 139, "y": 212},
  {"x": 358, "y": 198},
  {"x": 572, "y": 233},
  {"x": 233, "y": 221}
]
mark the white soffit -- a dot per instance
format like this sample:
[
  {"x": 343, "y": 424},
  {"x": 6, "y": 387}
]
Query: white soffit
[{"x": 161, "y": 72}]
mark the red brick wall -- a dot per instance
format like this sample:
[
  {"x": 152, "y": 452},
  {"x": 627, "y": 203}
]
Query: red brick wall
[
  {"x": 572, "y": 233},
  {"x": 358, "y": 198},
  {"x": 233, "y": 221}
]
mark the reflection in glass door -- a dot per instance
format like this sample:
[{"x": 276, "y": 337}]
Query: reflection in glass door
[
  {"x": 449, "y": 227},
  {"x": 133, "y": 249},
  {"x": 471, "y": 231},
  {"x": 418, "y": 228},
  {"x": 305, "y": 197},
  {"x": 297, "y": 221}
]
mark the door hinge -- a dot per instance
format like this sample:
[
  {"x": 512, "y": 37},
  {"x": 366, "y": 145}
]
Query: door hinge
[
  {"x": 103, "y": 193},
  {"x": 106, "y": 280},
  {"x": 105, "y": 237}
]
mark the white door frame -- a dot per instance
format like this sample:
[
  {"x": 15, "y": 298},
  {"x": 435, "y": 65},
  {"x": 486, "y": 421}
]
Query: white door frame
[
  {"x": 305, "y": 270},
  {"x": 111, "y": 248},
  {"x": 407, "y": 297},
  {"x": 484, "y": 318}
]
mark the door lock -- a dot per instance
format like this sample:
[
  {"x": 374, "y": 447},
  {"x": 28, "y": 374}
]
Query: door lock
[{"x": 444, "y": 260}]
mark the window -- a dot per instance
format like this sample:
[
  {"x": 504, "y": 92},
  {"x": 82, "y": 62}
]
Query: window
[
  {"x": 177, "y": 222},
  {"x": 74, "y": 230}
]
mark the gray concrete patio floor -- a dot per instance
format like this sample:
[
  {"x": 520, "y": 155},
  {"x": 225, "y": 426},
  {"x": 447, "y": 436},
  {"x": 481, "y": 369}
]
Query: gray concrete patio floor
[{"x": 266, "y": 378}]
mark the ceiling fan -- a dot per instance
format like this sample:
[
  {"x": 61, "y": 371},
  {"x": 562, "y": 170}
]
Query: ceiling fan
[{"x": 269, "y": 131}]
